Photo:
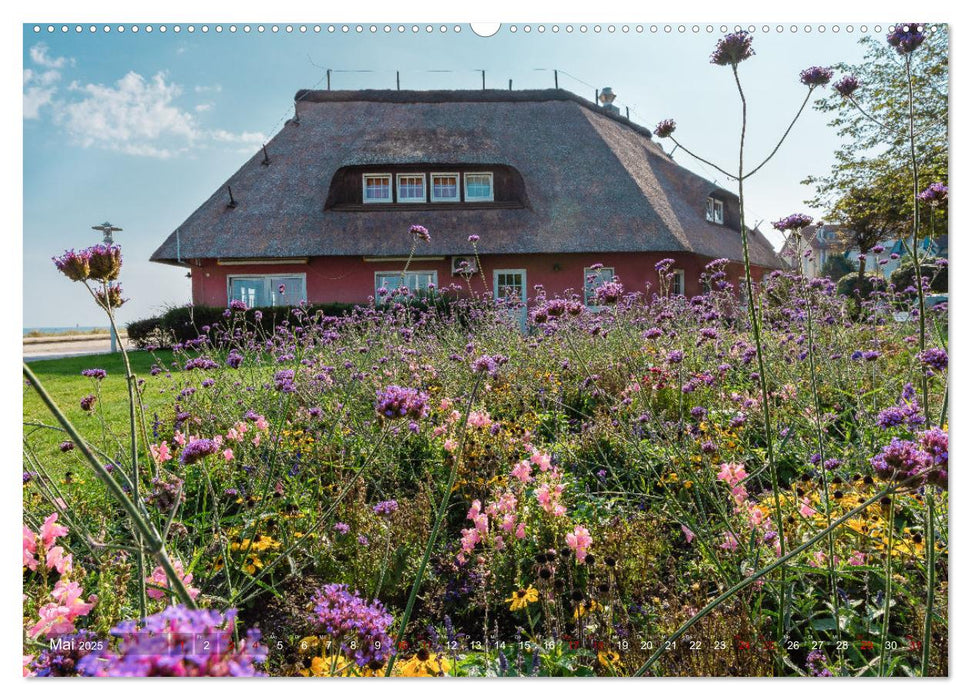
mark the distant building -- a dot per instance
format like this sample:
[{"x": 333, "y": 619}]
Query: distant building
[
  {"x": 809, "y": 251},
  {"x": 550, "y": 183}
]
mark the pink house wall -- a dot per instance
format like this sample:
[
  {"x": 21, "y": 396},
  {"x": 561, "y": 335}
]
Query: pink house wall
[{"x": 351, "y": 279}]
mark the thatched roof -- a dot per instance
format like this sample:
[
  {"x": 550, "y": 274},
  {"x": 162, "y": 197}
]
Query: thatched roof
[{"x": 594, "y": 181}]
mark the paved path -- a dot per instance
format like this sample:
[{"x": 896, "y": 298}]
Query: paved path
[{"x": 65, "y": 346}]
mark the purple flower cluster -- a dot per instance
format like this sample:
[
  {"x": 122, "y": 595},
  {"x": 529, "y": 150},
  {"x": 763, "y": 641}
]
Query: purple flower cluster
[
  {"x": 94, "y": 373},
  {"x": 87, "y": 402},
  {"x": 935, "y": 359},
  {"x": 237, "y": 305},
  {"x": 820, "y": 671},
  {"x": 342, "y": 528},
  {"x": 664, "y": 128},
  {"x": 793, "y": 222},
  {"x": 398, "y": 401},
  {"x": 234, "y": 359},
  {"x": 906, "y": 37},
  {"x": 345, "y": 618},
  {"x": 732, "y": 49},
  {"x": 110, "y": 298},
  {"x": 200, "y": 363},
  {"x": 179, "y": 642},
  {"x": 906, "y": 412},
  {"x": 420, "y": 233},
  {"x": 66, "y": 446},
  {"x": 846, "y": 85},
  {"x": 198, "y": 449},
  {"x": 935, "y": 195},
  {"x": 924, "y": 461},
  {"x": 283, "y": 380},
  {"x": 816, "y": 76},
  {"x": 99, "y": 262},
  {"x": 609, "y": 292},
  {"x": 386, "y": 507}
]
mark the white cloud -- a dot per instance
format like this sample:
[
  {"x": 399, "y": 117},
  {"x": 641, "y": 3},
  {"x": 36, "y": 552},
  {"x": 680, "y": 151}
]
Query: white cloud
[
  {"x": 209, "y": 88},
  {"x": 140, "y": 117},
  {"x": 204, "y": 107},
  {"x": 39, "y": 55},
  {"x": 134, "y": 116},
  {"x": 34, "y": 99}
]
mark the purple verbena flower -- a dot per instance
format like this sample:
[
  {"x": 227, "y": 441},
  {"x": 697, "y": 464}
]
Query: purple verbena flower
[
  {"x": 732, "y": 49},
  {"x": 935, "y": 195},
  {"x": 906, "y": 37},
  {"x": 793, "y": 222},
  {"x": 198, "y": 449},
  {"x": 386, "y": 507},
  {"x": 346, "y": 617},
  {"x": 664, "y": 128},
  {"x": 846, "y": 85},
  {"x": 420, "y": 233},
  {"x": 816, "y": 76}
]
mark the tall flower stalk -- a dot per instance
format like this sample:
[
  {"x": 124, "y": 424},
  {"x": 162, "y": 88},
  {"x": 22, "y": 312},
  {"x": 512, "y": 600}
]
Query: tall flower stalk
[{"x": 731, "y": 50}]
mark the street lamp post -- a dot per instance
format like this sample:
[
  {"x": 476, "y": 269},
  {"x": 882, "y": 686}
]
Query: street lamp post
[{"x": 107, "y": 229}]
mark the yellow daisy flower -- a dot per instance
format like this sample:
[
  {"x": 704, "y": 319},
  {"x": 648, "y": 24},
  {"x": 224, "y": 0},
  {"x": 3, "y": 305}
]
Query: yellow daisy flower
[{"x": 522, "y": 598}]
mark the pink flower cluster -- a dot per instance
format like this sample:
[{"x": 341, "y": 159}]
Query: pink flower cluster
[
  {"x": 40, "y": 547},
  {"x": 163, "y": 453},
  {"x": 57, "y": 618},
  {"x": 159, "y": 579},
  {"x": 579, "y": 541}
]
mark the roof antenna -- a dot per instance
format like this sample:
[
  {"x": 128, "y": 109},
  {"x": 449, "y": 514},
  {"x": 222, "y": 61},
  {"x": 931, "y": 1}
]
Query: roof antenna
[
  {"x": 232, "y": 202},
  {"x": 556, "y": 79},
  {"x": 510, "y": 83},
  {"x": 328, "y": 78},
  {"x": 397, "y": 78},
  {"x": 296, "y": 112},
  {"x": 266, "y": 156},
  {"x": 483, "y": 79}
]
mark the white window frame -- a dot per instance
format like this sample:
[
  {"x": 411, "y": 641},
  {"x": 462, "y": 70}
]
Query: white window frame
[
  {"x": 412, "y": 200},
  {"x": 377, "y": 200},
  {"x": 398, "y": 274},
  {"x": 492, "y": 187},
  {"x": 677, "y": 277},
  {"x": 458, "y": 187},
  {"x": 267, "y": 289},
  {"x": 589, "y": 298},
  {"x": 713, "y": 214}
]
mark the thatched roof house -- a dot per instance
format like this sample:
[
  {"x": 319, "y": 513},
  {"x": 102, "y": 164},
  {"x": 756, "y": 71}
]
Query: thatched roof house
[{"x": 551, "y": 183}]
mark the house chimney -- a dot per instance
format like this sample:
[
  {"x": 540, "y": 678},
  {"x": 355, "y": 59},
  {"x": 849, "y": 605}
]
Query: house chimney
[{"x": 607, "y": 98}]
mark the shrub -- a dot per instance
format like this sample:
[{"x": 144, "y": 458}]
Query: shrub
[
  {"x": 850, "y": 285},
  {"x": 148, "y": 332},
  {"x": 903, "y": 276}
]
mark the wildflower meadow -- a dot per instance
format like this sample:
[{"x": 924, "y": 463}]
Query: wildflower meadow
[{"x": 748, "y": 482}]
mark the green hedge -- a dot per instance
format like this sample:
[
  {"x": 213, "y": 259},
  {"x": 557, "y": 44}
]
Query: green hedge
[
  {"x": 903, "y": 276},
  {"x": 850, "y": 285}
]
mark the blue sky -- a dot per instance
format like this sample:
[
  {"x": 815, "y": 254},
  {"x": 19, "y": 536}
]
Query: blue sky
[{"x": 141, "y": 128}]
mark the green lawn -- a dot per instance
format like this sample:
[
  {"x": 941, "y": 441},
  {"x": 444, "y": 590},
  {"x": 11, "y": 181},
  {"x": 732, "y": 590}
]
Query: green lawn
[{"x": 63, "y": 381}]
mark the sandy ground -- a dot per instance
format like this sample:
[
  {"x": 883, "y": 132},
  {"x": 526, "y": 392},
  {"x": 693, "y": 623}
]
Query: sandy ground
[{"x": 64, "y": 346}]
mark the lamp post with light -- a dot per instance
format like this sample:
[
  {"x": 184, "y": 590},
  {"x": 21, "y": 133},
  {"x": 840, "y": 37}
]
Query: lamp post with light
[{"x": 108, "y": 230}]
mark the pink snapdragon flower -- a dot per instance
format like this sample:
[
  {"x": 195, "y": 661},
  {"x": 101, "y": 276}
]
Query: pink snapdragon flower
[
  {"x": 158, "y": 578},
  {"x": 732, "y": 474},
  {"x": 58, "y": 560},
  {"x": 58, "y": 617},
  {"x": 30, "y": 549},
  {"x": 730, "y": 542},
  {"x": 161, "y": 452},
  {"x": 688, "y": 534},
  {"x": 806, "y": 510},
  {"x": 541, "y": 460},
  {"x": 579, "y": 541},
  {"x": 523, "y": 471},
  {"x": 50, "y": 530},
  {"x": 228, "y": 454},
  {"x": 479, "y": 419},
  {"x": 520, "y": 531}
]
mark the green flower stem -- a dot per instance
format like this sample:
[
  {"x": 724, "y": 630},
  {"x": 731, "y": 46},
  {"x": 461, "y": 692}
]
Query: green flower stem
[
  {"x": 147, "y": 536},
  {"x": 741, "y": 585},
  {"x": 439, "y": 517},
  {"x": 130, "y": 380},
  {"x": 888, "y": 588},
  {"x": 757, "y": 337}
]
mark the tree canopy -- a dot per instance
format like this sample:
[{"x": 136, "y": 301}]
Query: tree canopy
[{"x": 871, "y": 174}]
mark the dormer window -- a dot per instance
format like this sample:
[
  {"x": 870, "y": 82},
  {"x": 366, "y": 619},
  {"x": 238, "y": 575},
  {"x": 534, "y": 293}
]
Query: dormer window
[
  {"x": 445, "y": 187},
  {"x": 715, "y": 211},
  {"x": 377, "y": 188},
  {"x": 478, "y": 187},
  {"x": 411, "y": 188}
]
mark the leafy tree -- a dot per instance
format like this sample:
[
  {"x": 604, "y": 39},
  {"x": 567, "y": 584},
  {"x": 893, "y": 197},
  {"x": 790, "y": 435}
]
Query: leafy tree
[
  {"x": 836, "y": 267},
  {"x": 932, "y": 270},
  {"x": 875, "y": 155},
  {"x": 868, "y": 215}
]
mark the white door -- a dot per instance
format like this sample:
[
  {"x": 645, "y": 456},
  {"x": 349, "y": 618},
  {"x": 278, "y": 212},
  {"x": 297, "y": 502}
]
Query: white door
[{"x": 509, "y": 287}]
